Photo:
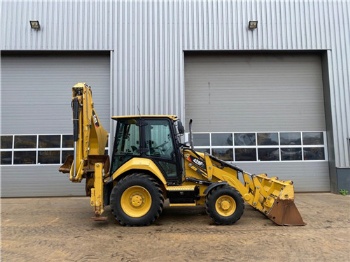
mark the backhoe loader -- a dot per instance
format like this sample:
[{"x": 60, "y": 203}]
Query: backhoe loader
[{"x": 149, "y": 164}]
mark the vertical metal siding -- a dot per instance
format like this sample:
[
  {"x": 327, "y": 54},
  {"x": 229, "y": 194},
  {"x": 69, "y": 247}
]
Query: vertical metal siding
[
  {"x": 148, "y": 39},
  {"x": 65, "y": 25}
]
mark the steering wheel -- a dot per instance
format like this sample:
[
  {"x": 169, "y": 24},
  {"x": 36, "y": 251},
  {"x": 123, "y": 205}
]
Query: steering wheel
[{"x": 161, "y": 145}]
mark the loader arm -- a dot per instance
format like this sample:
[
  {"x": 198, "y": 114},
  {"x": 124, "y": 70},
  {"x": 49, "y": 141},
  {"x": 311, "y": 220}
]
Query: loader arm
[
  {"x": 90, "y": 138},
  {"x": 271, "y": 196}
]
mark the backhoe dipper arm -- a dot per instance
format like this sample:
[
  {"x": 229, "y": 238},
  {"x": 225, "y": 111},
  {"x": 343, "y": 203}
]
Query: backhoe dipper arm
[{"x": 90, "y": 138}]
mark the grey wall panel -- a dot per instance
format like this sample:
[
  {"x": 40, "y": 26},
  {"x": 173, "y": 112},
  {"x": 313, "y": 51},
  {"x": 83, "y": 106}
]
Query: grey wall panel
[
  {"x": 249, "y": 92},
  {"x": 148, "y": 39},
  {"x": 28, "y": 181},
  {"x": 36, "y": 90},
  {"x": 36, "y": 99},
  {"x": 307, "y": 176}
]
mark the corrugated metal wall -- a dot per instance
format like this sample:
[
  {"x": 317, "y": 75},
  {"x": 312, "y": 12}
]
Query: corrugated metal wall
[
  {"x": 149, "y": 37},
  {"x": 65, "y": 25}
]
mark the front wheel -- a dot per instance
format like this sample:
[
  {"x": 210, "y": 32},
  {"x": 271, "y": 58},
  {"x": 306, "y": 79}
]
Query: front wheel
[
  {"x": 137, "y": 200},
  {"x": 224, "y": 205}
]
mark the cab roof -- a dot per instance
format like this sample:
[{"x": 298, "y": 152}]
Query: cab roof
[{"x": 172, "y": 117}]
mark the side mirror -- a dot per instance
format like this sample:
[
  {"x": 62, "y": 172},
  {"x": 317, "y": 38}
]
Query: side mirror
[
  {"x": 180, "y": 128},
  {"x": 191, "y": 135}
]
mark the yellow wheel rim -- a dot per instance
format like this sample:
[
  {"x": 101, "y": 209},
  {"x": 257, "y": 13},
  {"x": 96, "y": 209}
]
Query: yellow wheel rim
[
  {"x": 225, "y": 205},
  {"x": 136, "y": 201}
]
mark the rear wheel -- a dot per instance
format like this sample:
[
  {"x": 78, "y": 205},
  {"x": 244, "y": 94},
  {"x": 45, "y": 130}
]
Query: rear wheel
[
  {"x": 137, "y": 200},
  {"x": 224, "y": 205}
]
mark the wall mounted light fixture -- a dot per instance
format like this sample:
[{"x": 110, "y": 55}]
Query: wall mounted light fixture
[
  {"x": 253, "y": 25},
  {"x": 34, "y": 24}
]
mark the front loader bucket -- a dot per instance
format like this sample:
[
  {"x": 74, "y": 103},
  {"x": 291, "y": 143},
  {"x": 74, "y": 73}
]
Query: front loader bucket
[
  {"x": 271, "y": 196},
  {"x": 285, "y": 213},
  {"x": 274, "y": 198}
]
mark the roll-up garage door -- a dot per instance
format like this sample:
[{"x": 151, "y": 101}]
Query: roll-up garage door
[
  {"x": 36, "y": 117},
  {"x": 264, "y": 112}
]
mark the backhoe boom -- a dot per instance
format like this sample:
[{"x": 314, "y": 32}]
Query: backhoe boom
[{"x": 90, "y": 138}]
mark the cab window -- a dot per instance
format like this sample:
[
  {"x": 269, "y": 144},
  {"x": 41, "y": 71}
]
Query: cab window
[{"x": 158, "y": 138}]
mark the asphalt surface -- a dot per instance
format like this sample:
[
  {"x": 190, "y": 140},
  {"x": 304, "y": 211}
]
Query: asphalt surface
[{"x": 61, "y": 229}]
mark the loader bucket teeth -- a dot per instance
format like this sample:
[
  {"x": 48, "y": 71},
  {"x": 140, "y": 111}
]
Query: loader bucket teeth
[{"x": 285, "y": 213}]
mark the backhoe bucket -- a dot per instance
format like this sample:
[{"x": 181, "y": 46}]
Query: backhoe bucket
[
  {"x": 285, "y": 213},
  {"x": 65, "y": 168}
]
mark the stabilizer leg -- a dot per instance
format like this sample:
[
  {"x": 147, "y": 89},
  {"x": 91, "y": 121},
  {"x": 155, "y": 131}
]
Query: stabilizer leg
[{"x": 96, "y": 199}]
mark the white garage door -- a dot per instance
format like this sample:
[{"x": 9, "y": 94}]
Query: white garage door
[
  {"x": 265, "y": 113},
  {"x": 36, "y": 117}
]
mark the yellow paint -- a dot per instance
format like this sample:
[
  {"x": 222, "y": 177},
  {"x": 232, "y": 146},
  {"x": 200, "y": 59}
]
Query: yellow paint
[
  {"x": 96, "y": 199},
  {"x": 173, "y": 117},
  {"x": 183, "y": 205},
  {"x": 136, "y": 201},
  {"x": 92, "y": 136},
  {"x": 181, "y": 188},
  {"x": 225, "y": 205},
  {"x": 139, "y": 163},
  {"x": 259, "y": 191}
]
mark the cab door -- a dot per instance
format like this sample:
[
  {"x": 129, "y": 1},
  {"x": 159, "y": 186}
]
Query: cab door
[{"x": 158, "y": 144}]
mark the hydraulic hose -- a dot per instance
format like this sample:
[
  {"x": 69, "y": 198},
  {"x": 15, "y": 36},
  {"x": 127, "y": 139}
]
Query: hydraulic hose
[{"x": 75, "y": 108}]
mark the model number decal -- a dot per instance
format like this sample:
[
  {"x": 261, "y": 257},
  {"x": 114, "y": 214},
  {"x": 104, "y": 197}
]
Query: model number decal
[{"x": 197, "y": 162}]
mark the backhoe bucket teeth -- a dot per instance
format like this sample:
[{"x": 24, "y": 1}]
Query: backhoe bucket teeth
[{"x": 285, "y": 213}]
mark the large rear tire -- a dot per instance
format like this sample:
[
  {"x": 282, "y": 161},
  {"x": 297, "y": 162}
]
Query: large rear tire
[
  {"x": 137, "y": 200},
  {"x": 224, "y": 205}
]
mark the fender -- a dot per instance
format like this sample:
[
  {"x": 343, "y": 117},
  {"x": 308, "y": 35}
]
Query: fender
[
  {"x": 214, "y": 185},
  {"x": 140, "y": 164}
]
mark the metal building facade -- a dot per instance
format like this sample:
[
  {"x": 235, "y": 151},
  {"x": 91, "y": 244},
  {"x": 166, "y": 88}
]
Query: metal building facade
[{"x": 147, "y": 41}]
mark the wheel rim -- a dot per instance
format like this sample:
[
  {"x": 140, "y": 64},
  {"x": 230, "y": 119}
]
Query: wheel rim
[
  {"x": 225, "y": 205},
  {"x": 136, "y": 201}
]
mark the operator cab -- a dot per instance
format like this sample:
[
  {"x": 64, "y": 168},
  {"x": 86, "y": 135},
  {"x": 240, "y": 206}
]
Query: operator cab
[{"x": 153, "y": 137}]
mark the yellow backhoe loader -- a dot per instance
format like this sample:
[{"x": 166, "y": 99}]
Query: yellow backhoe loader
[{"x": 149, "y": 164}]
